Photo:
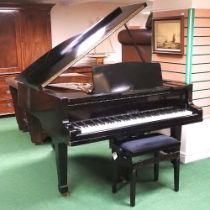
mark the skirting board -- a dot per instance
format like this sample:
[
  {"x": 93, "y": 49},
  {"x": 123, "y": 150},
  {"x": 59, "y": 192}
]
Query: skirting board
[
  {"x": 187, "y": 158},
  {"x": 195, "y": 141}
]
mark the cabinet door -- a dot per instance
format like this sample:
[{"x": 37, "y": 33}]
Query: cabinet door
[
  {"x": 10, "y": 52},
  {"x": 36, "y": 34}
]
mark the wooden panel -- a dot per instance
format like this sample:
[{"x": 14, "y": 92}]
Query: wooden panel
[
  {"x": 201, "y": 94},
  {"x": 173, "y": 67},
  {"x": 80, "y": 78},
  {"x": 6, "y": 107},
  {"x": 199, "y": 50},
  {"x": 201, "y": 76},
  {"x": 201, "y": 31},
  {"x": 169, "y": 58},
  {"x": 201, "y": 59},
  {"x": 3, "y": 79},
  {"x": 185, "y": 32},
  {"x": 201, "y": 85},
  {"x": 201, "y": 68},
  {"x": 81, "y": 69},
  {"x": 9, "y": 42},
  {"x": 173, "y": 76},
  {"x": 202, "y": 102},
  {"x": 201, "y": 22},
  {"x": 5, "y": 92},
  {"x": 206, "y": 110},
  {"x": 24, "y": 36},
  {"x": 201, "y": 40},
  {"x": 202, "y": 13},
  {"x": 77, "y": 74},
  {"x": 36, "y": 34}
]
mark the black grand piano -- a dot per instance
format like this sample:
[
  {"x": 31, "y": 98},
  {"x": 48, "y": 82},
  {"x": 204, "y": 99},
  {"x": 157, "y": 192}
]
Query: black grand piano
[{"x": 126, "y": 99}]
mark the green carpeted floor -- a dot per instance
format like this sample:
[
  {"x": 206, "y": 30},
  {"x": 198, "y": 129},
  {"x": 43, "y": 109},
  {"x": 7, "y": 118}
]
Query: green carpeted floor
[{"x": 28, "y": 179}]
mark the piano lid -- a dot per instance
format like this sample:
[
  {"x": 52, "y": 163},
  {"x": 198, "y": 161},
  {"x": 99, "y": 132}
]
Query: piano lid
[{"x": 40, "y": 73}]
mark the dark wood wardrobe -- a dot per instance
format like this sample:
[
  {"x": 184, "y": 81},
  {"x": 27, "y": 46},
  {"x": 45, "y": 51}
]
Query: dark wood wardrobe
[{"x": 25, "y": 34}]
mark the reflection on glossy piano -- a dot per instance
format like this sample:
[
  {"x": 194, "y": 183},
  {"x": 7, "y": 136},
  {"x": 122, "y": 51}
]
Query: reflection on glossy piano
[{"x": 127, "y": 99}]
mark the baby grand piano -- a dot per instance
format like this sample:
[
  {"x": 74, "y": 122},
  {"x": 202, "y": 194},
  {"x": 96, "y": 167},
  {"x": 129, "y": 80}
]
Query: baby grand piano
[{"x": 127, "y": 99}]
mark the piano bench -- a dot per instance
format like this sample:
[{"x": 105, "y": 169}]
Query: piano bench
[{"x": 161, "y": 148}]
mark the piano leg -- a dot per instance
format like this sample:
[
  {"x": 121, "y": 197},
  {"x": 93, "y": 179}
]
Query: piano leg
[
  {"x": 61, "y": 163},
  {"x": 176, "y": 132},
  {"x": 37, "y": 134}
]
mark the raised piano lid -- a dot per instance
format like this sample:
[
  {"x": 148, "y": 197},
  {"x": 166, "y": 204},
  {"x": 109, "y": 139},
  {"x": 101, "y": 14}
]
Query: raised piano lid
[{"x": 59, "y": 59}]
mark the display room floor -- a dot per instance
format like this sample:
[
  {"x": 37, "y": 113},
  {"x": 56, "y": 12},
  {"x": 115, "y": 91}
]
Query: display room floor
[{"x": 28, "y": 179}]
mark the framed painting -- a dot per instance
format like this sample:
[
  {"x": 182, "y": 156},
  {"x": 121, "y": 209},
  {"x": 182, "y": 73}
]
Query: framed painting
[{"x": 168, "y": 35}]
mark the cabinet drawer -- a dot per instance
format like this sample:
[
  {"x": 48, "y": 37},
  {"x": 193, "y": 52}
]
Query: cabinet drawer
[
  {"x": 3, "y": 79},
  {"x": 6, "y": 107},
  {"x": 5, "y": 92}
]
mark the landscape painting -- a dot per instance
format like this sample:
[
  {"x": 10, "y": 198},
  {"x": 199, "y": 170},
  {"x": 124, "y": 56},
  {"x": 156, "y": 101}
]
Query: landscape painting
[{"x": 168, "y": 35}]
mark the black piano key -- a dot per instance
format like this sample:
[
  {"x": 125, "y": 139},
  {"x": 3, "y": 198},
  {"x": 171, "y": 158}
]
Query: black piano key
[
  {"x": 116, "y": 118},
  {"x": 84, "y": 123},
  {"x": 108, "y": 120},
  {"x": 101, "y": 121},
  {"x": 76, "y": 124}
]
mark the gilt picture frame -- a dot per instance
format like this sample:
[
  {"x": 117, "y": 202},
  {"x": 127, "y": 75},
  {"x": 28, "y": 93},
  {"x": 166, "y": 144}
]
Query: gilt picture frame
[{"x": 168, "y": 35}]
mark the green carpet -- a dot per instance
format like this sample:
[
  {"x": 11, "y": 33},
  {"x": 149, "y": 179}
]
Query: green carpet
[{"x": 28, "y": 179}]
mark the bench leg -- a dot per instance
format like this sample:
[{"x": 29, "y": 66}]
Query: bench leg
[
  {"x": 114, "y": 175},
  {"x": 176, "y": 174},
  {"x": 132, "y": 187}
]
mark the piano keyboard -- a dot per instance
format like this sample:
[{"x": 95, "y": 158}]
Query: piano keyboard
[{"x": 124, "y": 120}]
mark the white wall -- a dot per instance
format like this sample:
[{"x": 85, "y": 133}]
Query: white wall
[
  {"x": 204, "y": 4},
  {"x": 68, "y": 20},
  {"x": 180, "y": 4},
  {"x": 195, "y": 141},
  {"x": 171, "y": 4}
]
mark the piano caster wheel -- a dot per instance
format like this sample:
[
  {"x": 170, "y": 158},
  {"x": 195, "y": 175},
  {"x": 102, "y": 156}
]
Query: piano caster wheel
[{"x": 64, "y": 191}]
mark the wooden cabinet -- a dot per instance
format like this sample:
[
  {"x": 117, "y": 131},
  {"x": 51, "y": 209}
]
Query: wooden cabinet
[
  {"x": 25, "y": 34},
  {"x": 6, "y": 104},
  {"x": 78, "y": 74}
]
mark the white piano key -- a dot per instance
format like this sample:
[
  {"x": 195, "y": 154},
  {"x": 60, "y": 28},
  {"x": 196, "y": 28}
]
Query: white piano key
[{"x": 132, "y": 121}]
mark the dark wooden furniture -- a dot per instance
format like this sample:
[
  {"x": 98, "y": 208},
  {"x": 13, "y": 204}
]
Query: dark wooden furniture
[
  {"x": 159, "y": 146},
  {"x": 121, "y": 92},
  {"x": 25, "y": 36},
  {"x": 137, "y": 38},
  {"x": 76, "y": 74}
]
